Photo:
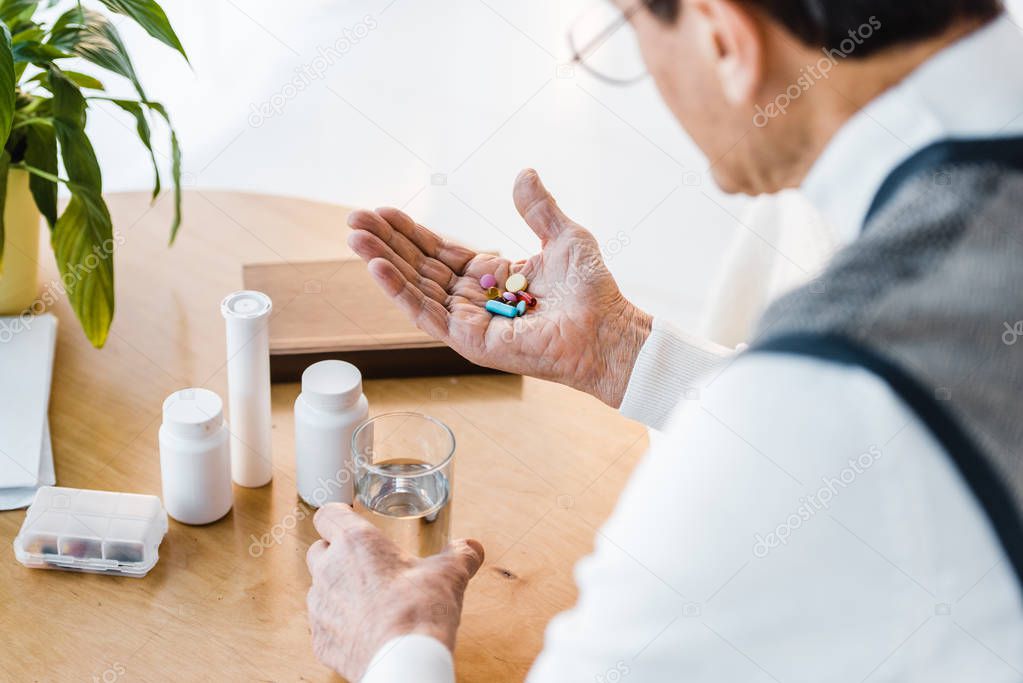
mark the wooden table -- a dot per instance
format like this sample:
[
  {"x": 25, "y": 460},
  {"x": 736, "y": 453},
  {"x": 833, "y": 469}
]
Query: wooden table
[{"x": 538, "y": 469}]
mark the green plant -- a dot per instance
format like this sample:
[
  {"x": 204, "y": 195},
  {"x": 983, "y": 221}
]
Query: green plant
[{"x": 43, "y": 110}]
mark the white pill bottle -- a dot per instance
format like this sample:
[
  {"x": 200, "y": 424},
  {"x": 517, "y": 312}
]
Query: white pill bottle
[
  {"x": 195, "y": 457},
  {"x": 327, "y": 411}
]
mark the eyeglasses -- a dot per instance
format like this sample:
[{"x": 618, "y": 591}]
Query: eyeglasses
[{"x": 601, "y": 46}]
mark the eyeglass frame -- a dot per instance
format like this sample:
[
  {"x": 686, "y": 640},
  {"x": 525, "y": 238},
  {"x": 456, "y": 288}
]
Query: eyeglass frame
[{"x": 580, "y": 55}]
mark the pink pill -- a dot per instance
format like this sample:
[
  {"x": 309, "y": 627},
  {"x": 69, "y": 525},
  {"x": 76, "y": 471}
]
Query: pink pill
[
  {"x": 510, "y": 297},
  {"x": 488, "y": 281}
]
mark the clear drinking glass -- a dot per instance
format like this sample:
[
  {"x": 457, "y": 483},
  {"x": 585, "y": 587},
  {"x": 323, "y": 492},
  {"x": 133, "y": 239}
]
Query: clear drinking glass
[{"x": 403, "y": 474}]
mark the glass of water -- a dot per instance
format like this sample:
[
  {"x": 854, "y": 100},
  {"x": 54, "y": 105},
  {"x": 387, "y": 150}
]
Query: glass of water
[{"x": 403, "y": 473}]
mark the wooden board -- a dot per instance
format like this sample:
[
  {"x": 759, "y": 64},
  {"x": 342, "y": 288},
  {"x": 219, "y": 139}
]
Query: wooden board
[
  {"x": 333, "y": 309},
  {"x": 216, "y": 607}
]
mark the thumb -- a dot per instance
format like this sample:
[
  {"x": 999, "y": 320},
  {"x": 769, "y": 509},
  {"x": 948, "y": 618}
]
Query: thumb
[
  {"x": 537, "y": 207},
  {"x": 466, "y": 554}
]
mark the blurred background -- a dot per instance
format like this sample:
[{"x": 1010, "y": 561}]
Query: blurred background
[{"x": 434, "y": 106}]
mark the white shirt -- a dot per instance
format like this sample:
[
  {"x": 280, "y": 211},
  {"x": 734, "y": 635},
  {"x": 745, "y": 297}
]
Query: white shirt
[{"x": 796, "y": 521}]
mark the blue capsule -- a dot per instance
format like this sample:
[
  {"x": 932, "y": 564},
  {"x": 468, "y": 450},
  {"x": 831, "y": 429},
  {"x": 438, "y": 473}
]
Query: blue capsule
[{"x": 500, "y": 308}]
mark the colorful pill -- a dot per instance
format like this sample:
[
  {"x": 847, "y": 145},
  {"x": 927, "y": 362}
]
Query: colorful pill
[
  {"x": 488, "y": 281},
  {"x": 499, "y": 308},
  {"x": 516, "y": 283},
  {"x": 510, "y": 297},
  {"x": 521, "y": 308},
  {"x": 493, "y": 293},
  {"x": 528, "y": 298}
]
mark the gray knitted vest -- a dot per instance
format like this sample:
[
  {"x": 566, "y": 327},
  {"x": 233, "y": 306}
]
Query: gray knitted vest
[{"x": 930, "y": 299}]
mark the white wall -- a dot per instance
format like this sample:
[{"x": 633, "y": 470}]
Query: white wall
[{"x": 464, "y": 88}]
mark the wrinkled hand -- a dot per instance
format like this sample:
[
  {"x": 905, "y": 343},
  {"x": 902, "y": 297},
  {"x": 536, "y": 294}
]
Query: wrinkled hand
[
  {"x": 366, "y": 590},
  {"x": 583, "y": 333}
]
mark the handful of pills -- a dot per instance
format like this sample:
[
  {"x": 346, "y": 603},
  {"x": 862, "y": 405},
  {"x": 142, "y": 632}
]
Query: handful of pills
[{"x": 513, "y": 301}]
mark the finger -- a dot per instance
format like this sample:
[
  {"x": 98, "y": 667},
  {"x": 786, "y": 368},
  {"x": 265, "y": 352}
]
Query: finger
[
  {"x": 375, "y": 224},
  {"x": 428, "y": 315},
  {"x": 454, "y": 256},
  {"x": 466, "y": 554},
  {"x": 314, "y": 553},
  {"x": 334, "y": 520},
  {"x": 537, "y": 207},
  {"x": 369, "y": 247},
  {"x": 422, "y": 262}
]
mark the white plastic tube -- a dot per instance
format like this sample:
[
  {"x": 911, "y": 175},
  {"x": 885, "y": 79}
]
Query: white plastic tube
[{"x": 247, "y": 314}]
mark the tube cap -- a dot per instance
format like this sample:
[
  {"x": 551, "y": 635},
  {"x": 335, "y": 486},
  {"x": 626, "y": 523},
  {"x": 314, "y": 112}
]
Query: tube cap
[
  {"x": 246, "y": 304},
  {"x": 331, "y": 384},
  {"x": 193, "y": 413}
]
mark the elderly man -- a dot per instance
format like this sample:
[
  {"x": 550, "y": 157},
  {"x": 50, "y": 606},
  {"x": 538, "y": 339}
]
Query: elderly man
[{"x": 840, "y": 501}]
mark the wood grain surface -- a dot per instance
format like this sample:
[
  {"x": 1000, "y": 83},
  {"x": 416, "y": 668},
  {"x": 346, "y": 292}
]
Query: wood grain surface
[{"x": 538, "y": 469}]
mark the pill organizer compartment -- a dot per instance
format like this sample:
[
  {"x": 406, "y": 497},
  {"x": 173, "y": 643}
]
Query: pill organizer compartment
[{"x": 91, "y": 531}]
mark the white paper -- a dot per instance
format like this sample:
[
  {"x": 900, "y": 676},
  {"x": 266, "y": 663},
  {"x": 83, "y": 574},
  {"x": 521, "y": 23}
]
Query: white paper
[
  {"x": 12, "y": 499},
  {"x": 26, "y": 369}
]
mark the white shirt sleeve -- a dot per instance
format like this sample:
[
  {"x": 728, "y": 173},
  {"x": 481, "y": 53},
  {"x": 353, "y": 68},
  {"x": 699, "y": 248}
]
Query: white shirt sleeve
[
  {"x": 669, "y": 369},
  {"x": 796, "y": 522},
  {"x": 419, "y": 658}
]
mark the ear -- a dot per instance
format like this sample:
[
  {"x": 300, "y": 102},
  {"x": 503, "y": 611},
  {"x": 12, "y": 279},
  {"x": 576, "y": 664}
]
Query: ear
[{"x": 732, "y": 37}]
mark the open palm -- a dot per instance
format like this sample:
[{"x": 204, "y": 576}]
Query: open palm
[{"x": 578, "y": 331}]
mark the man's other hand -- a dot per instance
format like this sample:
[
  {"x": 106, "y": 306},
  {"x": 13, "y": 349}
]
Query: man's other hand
[{"x": 366, "y": 590}]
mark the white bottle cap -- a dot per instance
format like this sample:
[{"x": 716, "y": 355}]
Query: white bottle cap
[
  {"x": 246, "y": 304},
  {"x": 331, "y": 384},
  {"x": 193, "y": 413}
]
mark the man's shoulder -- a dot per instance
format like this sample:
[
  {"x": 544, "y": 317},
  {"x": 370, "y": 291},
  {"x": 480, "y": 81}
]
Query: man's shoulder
[{"x": 775, "y": 393}]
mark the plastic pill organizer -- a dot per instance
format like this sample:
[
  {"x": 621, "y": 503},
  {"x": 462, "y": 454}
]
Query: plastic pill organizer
[{"x": 92, "y": 531}]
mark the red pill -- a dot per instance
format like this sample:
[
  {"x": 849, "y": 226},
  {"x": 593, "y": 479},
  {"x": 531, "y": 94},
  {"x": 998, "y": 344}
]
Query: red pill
[{"x": 528, "y": 298}]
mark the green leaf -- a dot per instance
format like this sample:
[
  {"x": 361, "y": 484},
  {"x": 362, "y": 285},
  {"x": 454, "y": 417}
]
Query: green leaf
[
  {"x": 83, "y": 80},
  {"x": 5, "y": 162},
  {"x": 175, "y": 167},
  {"x": 38, "y": 53},
  {"x": 82, "y": 236},
  {"x": 142, "y": 126},
  {"x": 150, "y": 16},
  {"x": 68, "y": 103},
  {"x": 31, "y": 34},
  {"x": 7, "y": 83},
  {"x": 69, "y": 126},
  {"x": 91, "y": 36},
  {"x": 13, "y": 11},
  {"x": 78, "y": 155},
  {"x": 41, "y": 153},
  {"x": 83, "y": 243},
  {"x": 76, "y": 77},
  {"x": 176, "y": 174}
]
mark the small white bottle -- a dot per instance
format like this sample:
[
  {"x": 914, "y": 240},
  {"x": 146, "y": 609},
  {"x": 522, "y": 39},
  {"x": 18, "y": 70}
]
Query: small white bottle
[
  {"x": 195, "y": 457},
  {"x": 327, "y": 411}
]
